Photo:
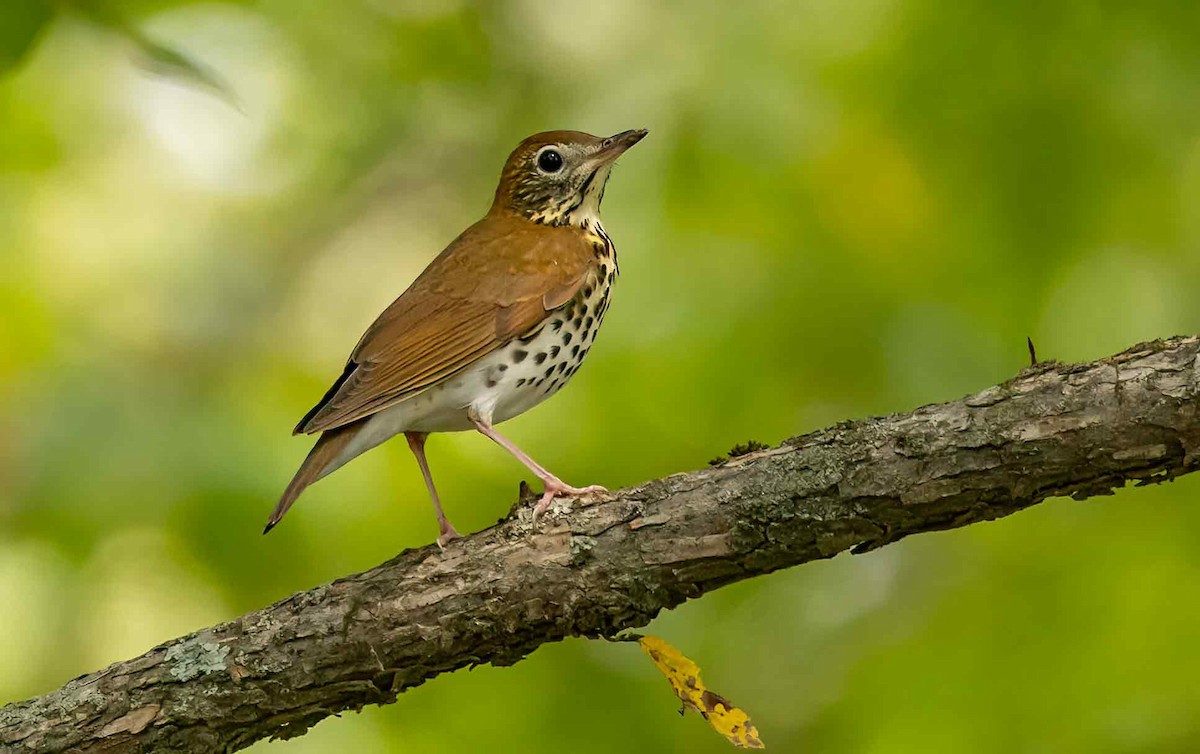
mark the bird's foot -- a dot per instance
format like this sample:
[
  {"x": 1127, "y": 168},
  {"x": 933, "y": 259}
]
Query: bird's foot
[
  {"x": 557, "y": 488},
  {"x": 447, "y": 536}
]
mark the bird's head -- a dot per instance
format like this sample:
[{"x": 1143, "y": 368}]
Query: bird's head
[{"x": 558, "y": 177}]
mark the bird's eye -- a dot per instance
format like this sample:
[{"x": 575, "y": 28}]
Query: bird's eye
[{"x": 550, "y": 161}]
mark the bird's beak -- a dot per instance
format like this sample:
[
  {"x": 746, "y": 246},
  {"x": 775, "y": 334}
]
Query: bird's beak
[{"x": 614, "y": 146}]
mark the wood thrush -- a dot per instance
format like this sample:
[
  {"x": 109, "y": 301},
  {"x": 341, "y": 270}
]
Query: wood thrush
[{"x": 497, "y": 323}]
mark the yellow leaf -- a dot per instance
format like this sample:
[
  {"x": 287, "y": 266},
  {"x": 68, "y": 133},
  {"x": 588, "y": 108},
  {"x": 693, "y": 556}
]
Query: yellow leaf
[{"x": 684, "y": 676}]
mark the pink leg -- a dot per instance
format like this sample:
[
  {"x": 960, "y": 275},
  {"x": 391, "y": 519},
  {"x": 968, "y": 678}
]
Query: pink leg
[
  {"x": 416, "y": 443},
  {"x": 553, "y": 485}
]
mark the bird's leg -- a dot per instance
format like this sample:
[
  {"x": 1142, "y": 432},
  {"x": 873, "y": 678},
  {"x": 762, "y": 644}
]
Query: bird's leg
[
  {"x": 553, "y": 485},
  {"x": 416, "y": 443}
]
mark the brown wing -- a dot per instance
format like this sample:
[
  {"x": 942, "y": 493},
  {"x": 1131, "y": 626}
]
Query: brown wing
[{"x": 495, "y": 282}]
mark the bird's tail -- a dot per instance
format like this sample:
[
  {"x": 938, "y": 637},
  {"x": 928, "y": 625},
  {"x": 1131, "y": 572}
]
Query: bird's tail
[{"x": 315, "y": 466}]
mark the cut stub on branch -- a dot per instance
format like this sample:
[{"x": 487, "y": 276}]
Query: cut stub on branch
[{"x": 684, "y": 677}]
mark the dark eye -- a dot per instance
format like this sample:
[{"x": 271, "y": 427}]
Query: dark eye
[{"x": 550, "y": 161}]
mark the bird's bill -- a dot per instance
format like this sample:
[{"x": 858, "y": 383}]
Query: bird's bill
[{"x": 615, "y": 145}]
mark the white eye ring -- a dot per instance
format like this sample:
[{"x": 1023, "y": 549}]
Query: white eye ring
[{"x": 549, "y": 160}]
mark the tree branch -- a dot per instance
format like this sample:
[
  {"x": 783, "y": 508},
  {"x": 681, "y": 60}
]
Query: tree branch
[{"x": 497, "y": 595}]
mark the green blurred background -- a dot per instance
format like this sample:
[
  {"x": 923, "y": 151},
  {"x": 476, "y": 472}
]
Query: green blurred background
[{"x": 844, "y": 208}]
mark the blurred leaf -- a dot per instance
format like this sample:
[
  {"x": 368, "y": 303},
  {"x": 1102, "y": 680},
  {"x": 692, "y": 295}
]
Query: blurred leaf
[
  {"x": 164, "y": 61},
  {"x": 684, "y": 677},
  {"x": 158, "y": 58},
  {"x": 23, "y": 21}
]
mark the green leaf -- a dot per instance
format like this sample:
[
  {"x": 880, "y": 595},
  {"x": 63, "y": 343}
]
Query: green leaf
[
  {"x": 156, "y": 57},
  {"x": 164, "y": 61},
  {"x": 23, "y": 21}
]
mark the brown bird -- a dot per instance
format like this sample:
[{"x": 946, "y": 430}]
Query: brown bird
[{"x": 497, "y": 323}]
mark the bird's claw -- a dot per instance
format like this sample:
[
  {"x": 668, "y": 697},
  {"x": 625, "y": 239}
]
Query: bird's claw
[
  {"x": 447, "y": 536},
  {"x": 555, "y": 488}
]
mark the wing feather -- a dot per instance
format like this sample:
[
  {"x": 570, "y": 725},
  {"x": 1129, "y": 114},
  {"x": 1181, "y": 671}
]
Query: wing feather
[{"x": 495, "y": 282}]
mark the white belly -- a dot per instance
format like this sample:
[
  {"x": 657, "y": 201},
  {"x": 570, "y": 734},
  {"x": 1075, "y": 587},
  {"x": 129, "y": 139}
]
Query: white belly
[{"x": 500, "y": 386}]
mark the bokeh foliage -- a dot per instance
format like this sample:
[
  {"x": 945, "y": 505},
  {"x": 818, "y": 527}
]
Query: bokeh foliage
[{"x": 843, "y": 208}]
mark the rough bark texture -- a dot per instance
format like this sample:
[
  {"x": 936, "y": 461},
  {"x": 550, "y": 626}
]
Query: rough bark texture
[{"x": 496, "y": 596}]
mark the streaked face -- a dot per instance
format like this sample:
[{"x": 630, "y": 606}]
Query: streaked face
[{"x": 558, "y": 177}]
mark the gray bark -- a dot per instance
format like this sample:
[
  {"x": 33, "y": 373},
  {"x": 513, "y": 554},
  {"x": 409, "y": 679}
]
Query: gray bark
[{"x": 496, "y": 596}]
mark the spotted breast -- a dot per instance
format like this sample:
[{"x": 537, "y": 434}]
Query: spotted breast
[{"x": 538, "y": 364}]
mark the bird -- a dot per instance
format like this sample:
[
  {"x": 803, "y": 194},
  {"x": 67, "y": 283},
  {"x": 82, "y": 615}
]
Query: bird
[{"x": 498, "y": 322}]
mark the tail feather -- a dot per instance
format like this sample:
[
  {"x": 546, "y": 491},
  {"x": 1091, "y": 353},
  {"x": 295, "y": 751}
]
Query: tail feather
[{"x": 314, "y": 467}]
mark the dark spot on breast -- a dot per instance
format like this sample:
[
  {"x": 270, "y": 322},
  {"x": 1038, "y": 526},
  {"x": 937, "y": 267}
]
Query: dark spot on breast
[
  {"x": 557, "y": 325},
  {"x": 540, "y": 357},
  {"x": 575, "y": 350},
  {"x": 490, "y": 383},
  {"x": 520, "y": 382},
  {"x": 587, "y": 292},
  {"x": 554, "y": 351},
  {"x": 585, "y": 351},
  {"x": 572, "y": 370},
  {"x": 531, "y": 336},
  {"x": 519, "y": 356},
  {"x": 566, "y": 339},
  {"x": 562, "y": 365},
  {"x": 549, "y": 372},
  {"x": 502, "y": 367},
  {"x": 587, "y": 323}
]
